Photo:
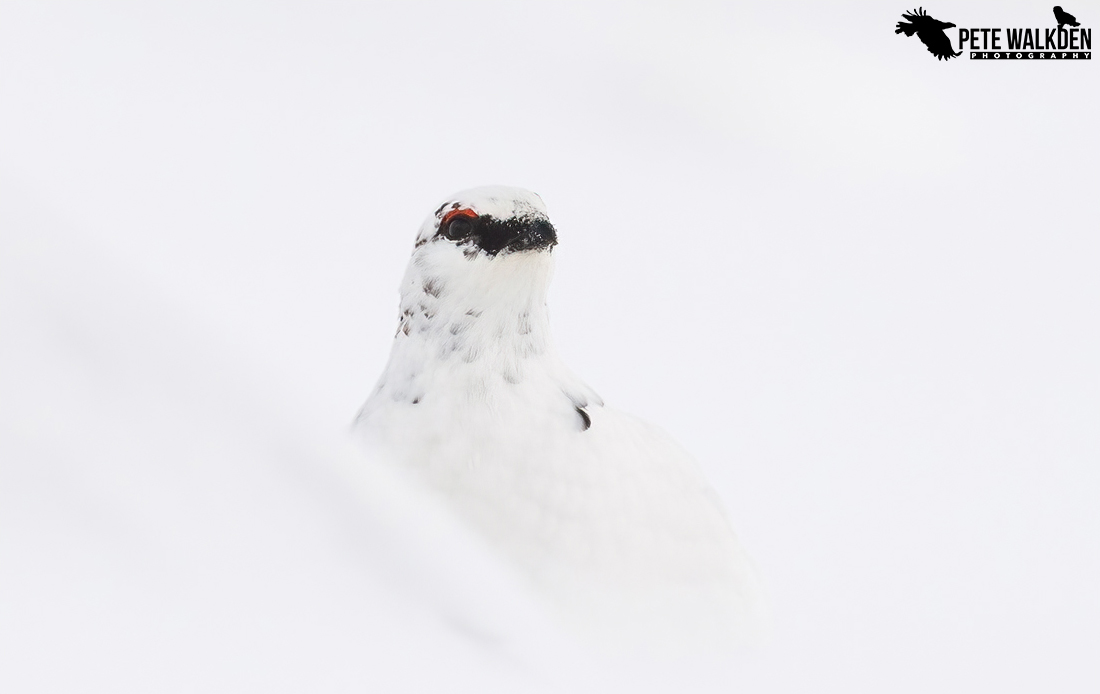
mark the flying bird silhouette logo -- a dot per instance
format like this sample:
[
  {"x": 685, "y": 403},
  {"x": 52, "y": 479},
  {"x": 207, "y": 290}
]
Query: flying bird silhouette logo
[
  {"x": 929, "y": 31},
  {"x": 1064, "y": 17}
]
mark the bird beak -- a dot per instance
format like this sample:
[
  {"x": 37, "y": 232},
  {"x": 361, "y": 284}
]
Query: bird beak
[
  {"x": 514, "y": 235},
  {"x": 531, "y": 234},
  {"x": 534, "y": 235}
]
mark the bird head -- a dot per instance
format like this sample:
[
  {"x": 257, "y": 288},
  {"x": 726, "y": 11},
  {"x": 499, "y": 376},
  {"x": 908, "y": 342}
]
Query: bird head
[
  {"x": 488, "y": 222},
  {"x": 483, "y": 246}
]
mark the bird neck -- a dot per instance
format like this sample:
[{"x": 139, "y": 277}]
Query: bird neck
[{"x": 475, "y": 331}]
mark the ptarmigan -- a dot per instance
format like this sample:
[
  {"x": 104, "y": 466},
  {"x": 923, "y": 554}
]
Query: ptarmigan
[{"x": 603, "y": 512}]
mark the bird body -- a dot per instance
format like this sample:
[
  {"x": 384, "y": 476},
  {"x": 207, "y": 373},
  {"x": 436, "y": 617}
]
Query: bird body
[
  {"x": 930, "y": 31},
  {"x": 1064, "y": 17},
  {"x": 604, "y": 512}
]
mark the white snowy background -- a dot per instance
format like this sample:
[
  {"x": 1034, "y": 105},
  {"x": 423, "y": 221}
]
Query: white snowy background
[{"x": 859, "y": 284}]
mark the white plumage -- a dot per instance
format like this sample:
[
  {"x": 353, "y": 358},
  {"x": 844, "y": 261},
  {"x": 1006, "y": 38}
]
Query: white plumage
[{"x": 604, "y": 512}]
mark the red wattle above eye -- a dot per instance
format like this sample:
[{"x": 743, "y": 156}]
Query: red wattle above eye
[{"x": 458, "y": 212}]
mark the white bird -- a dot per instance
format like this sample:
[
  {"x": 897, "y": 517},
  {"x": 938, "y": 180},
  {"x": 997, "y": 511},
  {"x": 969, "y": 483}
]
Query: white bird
[{"x": 606, "y": 514}]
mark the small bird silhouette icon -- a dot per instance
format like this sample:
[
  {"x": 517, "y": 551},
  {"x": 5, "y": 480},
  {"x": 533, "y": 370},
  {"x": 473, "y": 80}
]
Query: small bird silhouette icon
[{"x": 1064, "y": 17}]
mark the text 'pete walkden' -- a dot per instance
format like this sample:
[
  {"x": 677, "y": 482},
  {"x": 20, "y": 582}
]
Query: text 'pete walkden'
[{"x": 1027, "y": 44}]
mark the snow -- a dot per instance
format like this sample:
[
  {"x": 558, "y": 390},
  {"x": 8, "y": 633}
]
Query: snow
[{"x": 205, "y": 211}]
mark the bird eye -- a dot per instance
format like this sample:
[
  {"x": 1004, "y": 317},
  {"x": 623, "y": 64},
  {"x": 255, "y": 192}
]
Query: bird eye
[
  {"x": 458, "y": 228},
  {"x": 458, "y": 224}
]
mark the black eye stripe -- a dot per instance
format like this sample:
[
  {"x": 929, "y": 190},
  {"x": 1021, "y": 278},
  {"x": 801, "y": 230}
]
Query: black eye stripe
[{"x": 493, "y": 235}]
